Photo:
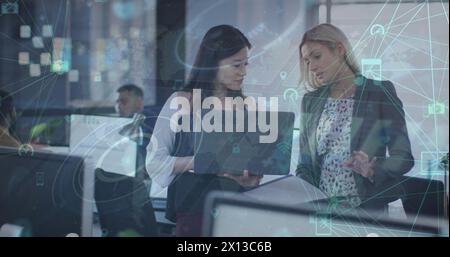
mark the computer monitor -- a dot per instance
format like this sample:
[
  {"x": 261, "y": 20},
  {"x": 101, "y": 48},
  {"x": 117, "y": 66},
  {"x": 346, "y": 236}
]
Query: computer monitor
[
  {"x": 98, "y": 141},
  {"x": 49, "y": 129},
  {"x": 229, "y": 214},
  {"x": 47, "y": 194},
  {"x": 114, "y": 153}
]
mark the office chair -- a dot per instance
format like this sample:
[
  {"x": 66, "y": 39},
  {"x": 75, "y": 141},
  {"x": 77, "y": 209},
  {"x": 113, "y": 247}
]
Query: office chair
[{"x": 123, "y": 205}]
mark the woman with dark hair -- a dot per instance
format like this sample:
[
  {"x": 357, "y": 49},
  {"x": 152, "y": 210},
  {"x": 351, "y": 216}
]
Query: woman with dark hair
[
  {"x": 7, "y": 120},
  {"x": 219, "y": 70}
]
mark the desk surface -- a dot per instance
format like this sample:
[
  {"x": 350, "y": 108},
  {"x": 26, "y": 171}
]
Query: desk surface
[{"x": 288, "y": 190}]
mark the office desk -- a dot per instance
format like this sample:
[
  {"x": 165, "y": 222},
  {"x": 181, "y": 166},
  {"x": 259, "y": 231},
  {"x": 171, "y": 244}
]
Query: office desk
[{"x": 288, "y": 190}]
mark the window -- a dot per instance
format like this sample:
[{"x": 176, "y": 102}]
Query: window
[
  {"x": 63, "y": 54},
  {"x": 274, "y": 28}
]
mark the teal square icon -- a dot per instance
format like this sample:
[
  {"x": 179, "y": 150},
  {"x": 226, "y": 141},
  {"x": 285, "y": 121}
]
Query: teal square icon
[{"x": 431, "y": 163}]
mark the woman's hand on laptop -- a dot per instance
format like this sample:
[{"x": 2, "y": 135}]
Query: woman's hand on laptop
[{"x": 245, "y": 180}]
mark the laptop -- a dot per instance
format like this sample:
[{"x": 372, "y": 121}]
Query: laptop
[{"x": 249, "y": 146}]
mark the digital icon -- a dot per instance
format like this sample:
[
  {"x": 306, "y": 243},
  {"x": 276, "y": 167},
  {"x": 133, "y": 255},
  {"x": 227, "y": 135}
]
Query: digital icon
[
  {"x": 47, "y": 31},
  {"x": 61, "y": 55},
  {"x": 283, "y": 75},
  {"x": 290, "y": 93},
  {"x": 58, "y": 60},
  {"x": 40, "y": 178},
  {"x": 124, "y": 10},
  {"x": 46, "y": 59},
  {"x": 323, "y": 224},
  {"x": 377, "y": 29},
  {"x": 431, "y": 163},
  {"x": 371, "y": 68},
  {"x": 24, "y": 58},
  {"x": 35, "y": 70},
  {"x": 436, "y": 108},
  {"x": 60, "y": 66},
  {"x": 37, "y": 42},
  {"x": 26, "y": 150},
  {"x": 10, "y": 7},
  {"x": 236, "y": 149},
  {"x": 25, "y": 31}
]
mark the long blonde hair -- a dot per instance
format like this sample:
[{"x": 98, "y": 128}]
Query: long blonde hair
[{"x": 329, "y": 36}]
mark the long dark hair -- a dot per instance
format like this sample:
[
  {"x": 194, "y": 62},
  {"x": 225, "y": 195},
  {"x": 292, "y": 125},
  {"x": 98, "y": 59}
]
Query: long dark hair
[{"x": 219, "y": 42}]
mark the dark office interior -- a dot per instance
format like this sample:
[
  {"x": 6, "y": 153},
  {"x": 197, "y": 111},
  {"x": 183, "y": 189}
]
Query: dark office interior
[{"x": 63, "y": 62}]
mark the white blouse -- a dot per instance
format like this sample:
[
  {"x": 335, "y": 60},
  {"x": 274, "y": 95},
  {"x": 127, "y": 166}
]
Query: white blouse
[
  {"x": 333, "y": 139},
  {"x": 159, "y": 163}
]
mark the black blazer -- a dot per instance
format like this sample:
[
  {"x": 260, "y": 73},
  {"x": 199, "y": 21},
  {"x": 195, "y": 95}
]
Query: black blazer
[{"x": 378, "y": 128}]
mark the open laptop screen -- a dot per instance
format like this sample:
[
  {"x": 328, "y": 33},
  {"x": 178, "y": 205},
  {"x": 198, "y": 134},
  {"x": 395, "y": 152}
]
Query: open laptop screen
[{"x": 261, "y": 151}]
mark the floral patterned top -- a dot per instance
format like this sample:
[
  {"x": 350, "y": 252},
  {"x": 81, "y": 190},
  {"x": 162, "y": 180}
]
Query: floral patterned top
[{"x": 333, "y": 140}]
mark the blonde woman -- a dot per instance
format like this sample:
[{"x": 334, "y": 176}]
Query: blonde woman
[{"x": 353, "y": 139}]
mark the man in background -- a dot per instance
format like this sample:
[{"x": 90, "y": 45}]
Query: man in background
[
  {"x": 130, "y": 100},
  {"x": 123, "y": 202}
]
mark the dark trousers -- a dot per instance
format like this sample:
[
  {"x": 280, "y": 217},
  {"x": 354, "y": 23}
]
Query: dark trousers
[
  {"x": 419, "y": 196},
  {"x": 189, "y": 225},
  {"x": 186, "y": 198}
]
